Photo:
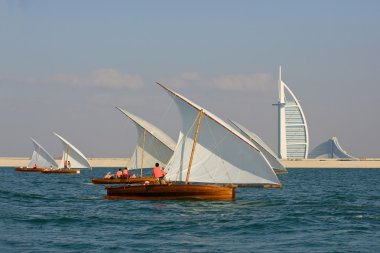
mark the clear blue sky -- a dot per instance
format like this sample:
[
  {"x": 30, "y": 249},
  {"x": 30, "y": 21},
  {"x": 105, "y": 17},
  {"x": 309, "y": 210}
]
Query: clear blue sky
[{"x": 65, "y": 65}]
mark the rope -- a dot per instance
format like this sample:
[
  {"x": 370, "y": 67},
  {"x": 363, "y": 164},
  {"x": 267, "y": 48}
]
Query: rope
[
  {"x": 217, "y": 144},
  {"x": 181, "y": 142},
  {"x": 163, "y": 115}
]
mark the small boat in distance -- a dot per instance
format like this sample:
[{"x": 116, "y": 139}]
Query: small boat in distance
[
  {"x": 211, "y": 158},
  {"x": 40, "y": 160},
  {"x": 72, "y": 159},
  {"x": 153, "y": 146}
]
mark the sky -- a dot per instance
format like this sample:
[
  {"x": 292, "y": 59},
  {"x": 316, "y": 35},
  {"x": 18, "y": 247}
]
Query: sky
[{"x": 65, "y": 65}]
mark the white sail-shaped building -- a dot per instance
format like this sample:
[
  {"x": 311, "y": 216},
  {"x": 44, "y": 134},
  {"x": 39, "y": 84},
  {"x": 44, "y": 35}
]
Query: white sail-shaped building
[
  {"x": 264, "y": 148},
  {"x": 215, "y": 152},
  {"x": 72, "y": 154},
  {"x": 330, "y": 149},
  {"x": 293, "y": 136},
  {"x": 40, "y": 157},
  {"x": 153, "y": 145}
]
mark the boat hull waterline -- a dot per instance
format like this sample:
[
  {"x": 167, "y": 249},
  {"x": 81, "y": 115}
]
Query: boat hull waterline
[
  {"x": 171, "y": 191},
  {"x": 123, "y": 180},
  {"x": 61, "y": 171},
  {"x": 20, "y": 169}
]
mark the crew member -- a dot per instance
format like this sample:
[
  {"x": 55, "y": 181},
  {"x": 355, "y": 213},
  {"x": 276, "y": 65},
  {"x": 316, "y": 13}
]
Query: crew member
[
  {"x": 108, "y": 176},
  {"x": 125, "y": 173},
  {"x": 158, "y": 173},
  {"x": 119, "y": 174}
]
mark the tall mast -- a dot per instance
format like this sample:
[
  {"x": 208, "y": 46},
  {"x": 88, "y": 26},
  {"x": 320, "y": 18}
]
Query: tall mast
[
  {"x": 142, "y": 154},
  {"x": 194, "y": 143},
  {"x": 67, "y": 153},
  {"x": 282, "y": 147}
]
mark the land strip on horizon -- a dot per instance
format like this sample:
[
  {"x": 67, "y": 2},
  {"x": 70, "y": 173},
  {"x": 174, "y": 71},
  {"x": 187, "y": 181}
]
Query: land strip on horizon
[{"x": 369, "y": 163}]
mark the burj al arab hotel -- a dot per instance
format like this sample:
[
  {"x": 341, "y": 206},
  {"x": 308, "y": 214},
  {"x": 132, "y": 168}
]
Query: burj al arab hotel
[{"x": 293, "y": 136}]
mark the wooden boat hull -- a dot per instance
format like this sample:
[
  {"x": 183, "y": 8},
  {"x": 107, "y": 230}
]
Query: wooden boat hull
[
  {"x": 20, "y": 169},
  {"x": 61, "y": 171},
  {"x": 171, "y": 191},
  {"x": 123, "y": 180}
]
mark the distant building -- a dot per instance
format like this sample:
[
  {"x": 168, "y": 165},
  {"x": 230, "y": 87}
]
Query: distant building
[
  {"x": 330, "y": 149},
  {"x": 293, "y": 136}
]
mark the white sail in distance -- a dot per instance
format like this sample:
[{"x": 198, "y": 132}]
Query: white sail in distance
[
  {"x": 153, "y": 145},
  {"x": 72, "y": 154},
  {"x": 41, "y": 157},
  {"x": 264, "y": 148},
  {"x": 222, "y": 155}
]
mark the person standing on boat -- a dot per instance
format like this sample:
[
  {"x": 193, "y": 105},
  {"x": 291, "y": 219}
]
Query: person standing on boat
[
  {"x": 119, "y": 174},
  {"x": 158, "y": 173},
  {"x": 65, "y": 164},
  {"x": 35, "y": 166},
  {"x": 68, "y": 164},
  {"x": 125, "y": 173}
]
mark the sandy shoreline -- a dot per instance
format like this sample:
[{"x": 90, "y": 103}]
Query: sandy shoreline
[{"x": 373, "y": 163}]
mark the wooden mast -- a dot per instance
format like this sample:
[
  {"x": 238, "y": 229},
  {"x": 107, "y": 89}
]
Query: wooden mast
[
  {"x": 142, "y": 154},
  {"x": 66, "y": 158},
  {"x": 194, "y": 143}
]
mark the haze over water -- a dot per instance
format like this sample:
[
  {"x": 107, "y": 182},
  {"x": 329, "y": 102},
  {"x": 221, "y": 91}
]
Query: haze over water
[{"x": 319, "y": 210}]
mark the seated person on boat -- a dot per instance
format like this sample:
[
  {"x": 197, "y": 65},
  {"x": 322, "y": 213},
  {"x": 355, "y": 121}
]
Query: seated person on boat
[
  {"x": 108, "y": 176},
  {"x": 125, "y": 173},
  {"x": 119, "y": 174},
  {"x": 159, "y": 173}
]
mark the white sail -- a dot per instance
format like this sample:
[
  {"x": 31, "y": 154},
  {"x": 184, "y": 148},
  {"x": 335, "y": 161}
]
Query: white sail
[
  {"x": 72, "y": 154},
  {"x": 41, "y": 157},
  {"x": 153, "y": 145},
  {"x": 260, "y": 144},
  {"x": 222, "y": 155}
]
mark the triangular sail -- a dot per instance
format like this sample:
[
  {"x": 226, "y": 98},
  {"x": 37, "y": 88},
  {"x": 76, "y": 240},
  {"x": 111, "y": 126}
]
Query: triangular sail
[
  {"x": 72, "y": 154},
  {"x": 260, "y": 144},
  {"x": 153, "y": 145},
  {"x": 41, "y": 157},
  {"x": 222, "y": 155}
]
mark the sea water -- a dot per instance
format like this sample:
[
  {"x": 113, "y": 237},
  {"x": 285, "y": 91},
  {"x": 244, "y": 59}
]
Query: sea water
[{"x": 317, "y": 210}]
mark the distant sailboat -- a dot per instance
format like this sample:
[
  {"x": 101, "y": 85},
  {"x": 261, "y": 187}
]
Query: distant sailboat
[
  {"x": 260, "y": 144},
  {"x": 210, "y": 160},
  {"x": 153, "y": 145},
  {"x": 72, "y": 159},
  {"x": 40, "y": 160}
]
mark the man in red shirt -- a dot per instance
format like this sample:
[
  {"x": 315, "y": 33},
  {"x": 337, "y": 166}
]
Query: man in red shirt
[
  {"x": 158, "y": 173},
  {"x": 125, "y": 173}
]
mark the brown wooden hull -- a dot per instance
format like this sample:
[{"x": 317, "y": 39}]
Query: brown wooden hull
[
  {"x": 171, "y": 191},
  {"x": 259, "y": 185},
  {"x": 61, "y": 171},
  {"x": 20, "y": 169},
  {"x": 123, "y": 181}
]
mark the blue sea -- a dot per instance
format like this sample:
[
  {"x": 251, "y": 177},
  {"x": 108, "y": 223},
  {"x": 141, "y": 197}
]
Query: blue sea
[{"x": 317, "y": 210}]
